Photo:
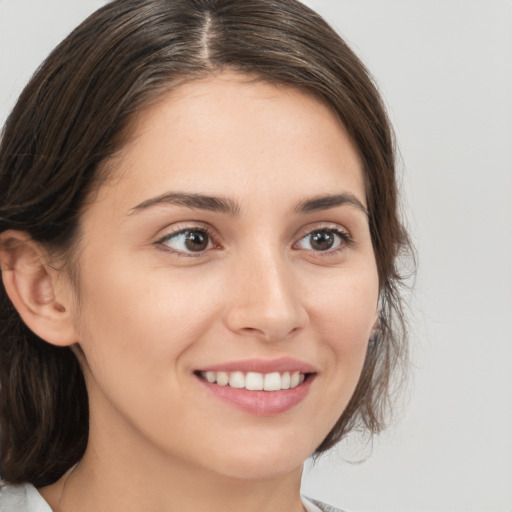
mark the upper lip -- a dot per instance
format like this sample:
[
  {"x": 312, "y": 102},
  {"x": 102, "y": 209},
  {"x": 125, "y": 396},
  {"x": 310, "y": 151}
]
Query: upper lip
[{"x": 281, "y": 364}]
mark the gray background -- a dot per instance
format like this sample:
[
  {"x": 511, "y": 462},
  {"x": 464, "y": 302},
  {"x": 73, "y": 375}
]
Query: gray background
[{"x": 445, "y": 70}]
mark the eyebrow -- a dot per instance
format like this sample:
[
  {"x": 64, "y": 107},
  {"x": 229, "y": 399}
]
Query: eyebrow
[
  {"x": 229, "y": 207},
  {"x": 326, "y": 202},
  {"x": 193, "y": 201}
]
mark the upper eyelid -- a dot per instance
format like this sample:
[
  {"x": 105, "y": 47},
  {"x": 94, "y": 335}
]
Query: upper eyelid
[
  {"x": 183, "y": 227},
  {"x": 161, "y": 244},
  {"x": 344, "y": 235},
  {"x": 306, "y": 230}
]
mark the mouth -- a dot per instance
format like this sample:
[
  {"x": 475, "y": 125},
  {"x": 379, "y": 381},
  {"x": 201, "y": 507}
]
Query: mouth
[
  {"x": 255, "y": 381},
  {"x": 259, "y": 387}
]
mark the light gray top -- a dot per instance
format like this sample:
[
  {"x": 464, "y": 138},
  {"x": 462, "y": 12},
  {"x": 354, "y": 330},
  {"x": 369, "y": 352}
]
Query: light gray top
[{"x": 25, "y": 498}]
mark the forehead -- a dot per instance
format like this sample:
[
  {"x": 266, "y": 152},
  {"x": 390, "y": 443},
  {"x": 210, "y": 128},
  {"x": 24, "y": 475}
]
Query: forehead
[{"x": 229, "y": 132}]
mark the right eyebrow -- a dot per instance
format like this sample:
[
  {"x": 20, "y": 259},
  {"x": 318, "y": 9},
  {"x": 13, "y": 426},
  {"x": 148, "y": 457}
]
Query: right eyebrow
[{"x": 194, "y": 201}]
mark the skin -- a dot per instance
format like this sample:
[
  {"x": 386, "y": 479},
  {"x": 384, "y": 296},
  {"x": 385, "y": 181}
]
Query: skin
[{"x": 149, "y": 313}]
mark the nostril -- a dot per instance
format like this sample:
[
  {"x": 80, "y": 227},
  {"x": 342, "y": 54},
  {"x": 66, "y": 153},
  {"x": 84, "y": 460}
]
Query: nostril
[{"x": 250, "y": 330}]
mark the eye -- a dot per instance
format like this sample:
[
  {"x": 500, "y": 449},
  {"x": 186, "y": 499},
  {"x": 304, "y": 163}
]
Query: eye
[
  {"x": 188, "y": 241},
  {"x": 323, "y": 239}
]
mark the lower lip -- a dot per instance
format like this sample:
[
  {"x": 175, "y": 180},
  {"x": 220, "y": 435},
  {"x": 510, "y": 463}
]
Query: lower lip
[{"x": 260, "y": 403}]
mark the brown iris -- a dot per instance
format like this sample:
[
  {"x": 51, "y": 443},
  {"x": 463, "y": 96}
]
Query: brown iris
[
  {"x": 196, "y": 240},
  {"x": 322, "y": 240}
]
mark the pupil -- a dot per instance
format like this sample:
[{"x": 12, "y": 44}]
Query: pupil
[
  {"x": 196, "y": 241},
  {"x": 322, "y": 240}
]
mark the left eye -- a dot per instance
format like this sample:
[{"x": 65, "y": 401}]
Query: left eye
[
  {"x": 322, "y": 240},
  {"x": 189, "y": 241}
]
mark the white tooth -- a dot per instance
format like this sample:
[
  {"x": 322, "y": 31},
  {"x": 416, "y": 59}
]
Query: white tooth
[
  {"x": 254, "y": 381},
  {"x": 209, "y": 376},
  {"x": 295, "y": 379},
  {"x": 237, "y": 380},
  {"x": 301, "y": 379},
  {"x": 272, "y": 381},
  {"x": 285, "y": 380},
  {"x": 222, "y": 378}
]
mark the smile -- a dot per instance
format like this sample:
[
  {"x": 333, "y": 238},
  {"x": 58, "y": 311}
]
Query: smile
[
  {"x": 258, "y": 386},
  {"x": 255, "y": 381}
]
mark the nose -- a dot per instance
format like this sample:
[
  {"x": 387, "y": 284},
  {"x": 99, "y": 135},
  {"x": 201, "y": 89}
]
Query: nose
[{"x": 265, "y": 299}]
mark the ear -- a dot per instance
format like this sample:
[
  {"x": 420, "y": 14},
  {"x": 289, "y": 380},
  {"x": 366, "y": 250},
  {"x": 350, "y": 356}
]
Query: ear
[{"x": 36, "y": 289}]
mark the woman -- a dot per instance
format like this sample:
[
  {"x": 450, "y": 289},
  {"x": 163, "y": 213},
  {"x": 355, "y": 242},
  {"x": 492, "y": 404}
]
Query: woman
[{"x": 199, "y": 240}]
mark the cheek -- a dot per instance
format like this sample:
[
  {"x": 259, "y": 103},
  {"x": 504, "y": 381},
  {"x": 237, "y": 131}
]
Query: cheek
[
  {"x": 345, "y": 316},
  {"x": 142, "y": 320},
  {"x": 347, "y": 308},
  {"x": 134, "y": 334}
]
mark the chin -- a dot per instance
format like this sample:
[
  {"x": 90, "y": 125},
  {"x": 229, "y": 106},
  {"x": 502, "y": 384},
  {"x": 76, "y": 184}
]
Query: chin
[
  {"x": 270, "y": 469},
  {"x": 262, "y": 459}
]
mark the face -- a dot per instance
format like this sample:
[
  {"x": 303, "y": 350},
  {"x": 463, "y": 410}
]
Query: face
[{"x": 229, "y": 252}]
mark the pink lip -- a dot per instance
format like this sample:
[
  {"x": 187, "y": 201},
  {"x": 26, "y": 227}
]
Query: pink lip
[
  {"x": 281, "y": 364},
  {"x": 260, "y": 403}
]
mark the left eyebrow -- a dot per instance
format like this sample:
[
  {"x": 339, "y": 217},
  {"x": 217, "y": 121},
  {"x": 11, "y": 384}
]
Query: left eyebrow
[
  {"x": 193, "y": 201},
  {"x": 320, "y": 203}
]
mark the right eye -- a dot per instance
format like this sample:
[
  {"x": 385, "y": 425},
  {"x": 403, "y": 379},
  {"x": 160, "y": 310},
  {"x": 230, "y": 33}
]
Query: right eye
[{"x": 186, "y": 242}]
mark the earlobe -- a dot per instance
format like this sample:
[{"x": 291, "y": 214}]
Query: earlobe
[{"x": 29, "y": 282}]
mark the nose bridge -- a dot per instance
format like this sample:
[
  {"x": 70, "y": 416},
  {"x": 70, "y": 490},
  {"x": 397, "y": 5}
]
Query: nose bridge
[{"x": 265, "y": 301}]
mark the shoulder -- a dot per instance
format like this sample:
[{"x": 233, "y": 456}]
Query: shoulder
[
  {"x": 22, "y": 498},
  {"x": 318, "y": 506}
]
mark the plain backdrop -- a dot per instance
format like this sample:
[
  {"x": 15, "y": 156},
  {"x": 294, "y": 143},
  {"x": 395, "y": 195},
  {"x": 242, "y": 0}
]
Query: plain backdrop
[{"x": 445, "y": 70}]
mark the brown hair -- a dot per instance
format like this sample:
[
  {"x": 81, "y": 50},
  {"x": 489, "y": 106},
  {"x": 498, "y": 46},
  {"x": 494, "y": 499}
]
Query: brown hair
[{"x": 71, "y": 117}]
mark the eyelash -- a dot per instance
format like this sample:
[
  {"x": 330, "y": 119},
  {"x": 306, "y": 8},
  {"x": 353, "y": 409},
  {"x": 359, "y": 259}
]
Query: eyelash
[
  {"x": 345, "y": 239},
  {"x": 161, "y": 243}
]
